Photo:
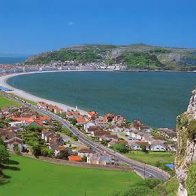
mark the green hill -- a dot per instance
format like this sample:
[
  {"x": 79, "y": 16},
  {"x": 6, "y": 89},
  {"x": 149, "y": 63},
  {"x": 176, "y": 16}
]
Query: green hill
[{"x": 136, "y": 56}]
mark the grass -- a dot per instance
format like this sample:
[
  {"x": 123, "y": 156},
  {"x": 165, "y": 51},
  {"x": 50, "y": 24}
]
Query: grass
[
  {"x": 5, "y": 102},
  {"x": 152, "y": 158},
  {"x": 35, "y": 177}
]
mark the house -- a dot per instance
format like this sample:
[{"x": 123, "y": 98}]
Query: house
[
  {"x": 56, "y": 148},
  {"x": 108, "y": 137},
  {"x": 118, "y": 129},
  {"x": 11, "y": 140},
  {"x": 109, "y": 117},
  {"x": 75, "y": 158},
  {"x": 72, "y": 114},
  {"x": 89, "y": 124},
  {"x": 94, "y": 129},
  {"x": 137, "y": 124},
  {"x": 37, "y": 123},
  {"x": 14, "y": 143},
  {"x": 93, "y": 115},
  {"x": 134, "y": 146},
  {"x": 42, "y": 105},
  {"x": 27, "y": 120},
  {"x": 157, "y": 146},
  {"x": 118, "y": 119},
  {"x": 81, "y": 120},
  {"x": 18, "y": 124},
  {"x": 46, "y": 135},
  {"x": 84, "y": 152},
  {"x": 101, "y": 121},
  {"x": 135, "y": 136},
  {"x": 44, "y": 119},
  {"x": 99, "y": 159},
  {"x": 55, "y": 109},
  {"x": 128, "y": 131}
]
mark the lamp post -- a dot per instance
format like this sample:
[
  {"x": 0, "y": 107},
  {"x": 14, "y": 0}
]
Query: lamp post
[{"x": 144, "y": 170}]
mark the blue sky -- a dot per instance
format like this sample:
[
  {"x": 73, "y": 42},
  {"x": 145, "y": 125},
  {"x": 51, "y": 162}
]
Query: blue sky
[{"x": 34, "y": 26}]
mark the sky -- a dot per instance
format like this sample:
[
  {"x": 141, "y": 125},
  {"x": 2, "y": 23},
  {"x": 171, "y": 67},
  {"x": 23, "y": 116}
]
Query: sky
[{"x": 34, "y": 26}]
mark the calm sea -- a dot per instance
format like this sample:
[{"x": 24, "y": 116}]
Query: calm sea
[
  {"x": 12, "y": 60},
  {"x": 154, "y": 97}
]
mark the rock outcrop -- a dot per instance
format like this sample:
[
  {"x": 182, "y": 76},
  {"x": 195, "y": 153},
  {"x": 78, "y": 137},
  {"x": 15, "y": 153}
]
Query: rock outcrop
[{"x": 186, "y": 154}]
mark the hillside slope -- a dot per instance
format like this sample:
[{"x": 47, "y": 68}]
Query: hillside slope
[
  {"x": 137, "y": 56},
  {"x": 186, "y": 154}
]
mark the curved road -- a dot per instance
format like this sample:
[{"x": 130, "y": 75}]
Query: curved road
[{"x": 147, "y": 171}]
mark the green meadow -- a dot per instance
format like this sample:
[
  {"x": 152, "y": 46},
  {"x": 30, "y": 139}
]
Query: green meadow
[
  {"x": 35, "y": 177},
  {"x": 152, "y": 158},
  {"x": 5, "y": 102}
]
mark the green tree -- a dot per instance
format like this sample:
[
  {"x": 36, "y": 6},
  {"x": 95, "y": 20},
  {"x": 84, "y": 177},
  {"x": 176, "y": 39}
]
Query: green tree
[
  {"x": 144, "y": 149},
  {"x": 120, "y": 148},
  {"x": 63, "y": 154},
  {"x": 36, "y": 149},
  {"x": 4, "y": 154}
]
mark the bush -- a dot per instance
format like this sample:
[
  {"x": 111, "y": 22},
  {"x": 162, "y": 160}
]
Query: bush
[
  {"x": 191, "y": 180},
  {"x": 120, "y": 148}
]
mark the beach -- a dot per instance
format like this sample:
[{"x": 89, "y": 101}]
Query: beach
[{"x": 28, "y": 96}]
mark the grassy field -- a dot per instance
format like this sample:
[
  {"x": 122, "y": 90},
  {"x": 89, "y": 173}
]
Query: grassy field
[
  {"x": 152, "y": 158},
  {"x": 5, "y": 102},
  {"x": 34, "y": 177}
]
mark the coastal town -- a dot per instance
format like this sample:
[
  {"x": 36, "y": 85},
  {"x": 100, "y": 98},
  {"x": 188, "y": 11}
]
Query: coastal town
[
  {"x": 26, "y": 132},
  {"x": 59, "y": 66}
]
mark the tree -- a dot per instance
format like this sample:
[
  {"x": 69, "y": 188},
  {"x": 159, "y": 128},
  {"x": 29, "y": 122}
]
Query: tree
[
  {"x": 144, "y": 149},
  {"x": 63, "y": 154},
  {"x": 36, "y": 150},
  {"x": 120, "y": 148},
  {"x": 4, "y": 154},
  {"x": 1, "y": 142}
]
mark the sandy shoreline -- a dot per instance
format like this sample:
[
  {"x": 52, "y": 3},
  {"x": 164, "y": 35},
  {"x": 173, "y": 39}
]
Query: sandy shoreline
[{"x": 28, "y": 96}]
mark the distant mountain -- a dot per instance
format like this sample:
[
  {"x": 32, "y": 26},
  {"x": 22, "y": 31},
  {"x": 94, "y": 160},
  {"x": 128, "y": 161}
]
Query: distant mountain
[{"x": 135, "y": 56}]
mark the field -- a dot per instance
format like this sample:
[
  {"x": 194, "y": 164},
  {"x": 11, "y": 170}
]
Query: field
[
  {"x": 35, "y": 177},
  {"x": 152, "y": 158},
  {"x": 5, "y": 102}
]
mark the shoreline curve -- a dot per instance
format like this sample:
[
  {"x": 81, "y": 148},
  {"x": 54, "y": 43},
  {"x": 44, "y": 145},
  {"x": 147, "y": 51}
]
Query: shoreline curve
[{"x": 31, "y": 97}]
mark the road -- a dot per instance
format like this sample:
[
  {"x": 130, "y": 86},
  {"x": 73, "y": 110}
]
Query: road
[{"x": 145, "y": 170}]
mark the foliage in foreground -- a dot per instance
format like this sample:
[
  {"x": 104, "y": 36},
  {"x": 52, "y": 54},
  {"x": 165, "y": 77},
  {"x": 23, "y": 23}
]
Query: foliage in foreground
[
  {"x": 145, "y": 188},
  {"x": 4, "y": 157},
  {"x": 191, "y": 180},
  {"x": 152, "y": 187}
]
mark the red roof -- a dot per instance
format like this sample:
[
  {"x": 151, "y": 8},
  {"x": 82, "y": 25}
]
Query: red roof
[{"x": 75, "y": 158}]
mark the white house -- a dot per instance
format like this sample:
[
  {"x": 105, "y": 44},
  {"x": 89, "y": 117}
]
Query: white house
[
  {"x": 85, "y": 152},
  {"x": 157, "y": 146},
  {"x": 18, "y": 124},
  {"x": 87, "y": 125},
  {"x": 134, "y": 136},
  {"x": 135, "y": 146}
]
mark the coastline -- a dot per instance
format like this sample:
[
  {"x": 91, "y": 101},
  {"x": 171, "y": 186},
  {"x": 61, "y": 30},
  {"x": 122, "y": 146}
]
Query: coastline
[{"x": 28, "y": 96}]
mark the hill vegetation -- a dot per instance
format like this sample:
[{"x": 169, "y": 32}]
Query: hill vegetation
[{"x": 138, "y": 56}]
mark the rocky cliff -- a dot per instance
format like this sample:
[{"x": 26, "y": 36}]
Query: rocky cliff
[{"x": 186, "y": 154}]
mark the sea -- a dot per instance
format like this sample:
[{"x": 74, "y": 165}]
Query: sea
[
  {"x": 12, "y": 60},
  {"x": 156, "y": 98}
]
